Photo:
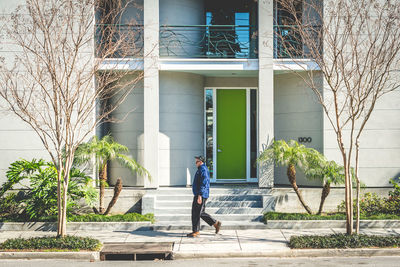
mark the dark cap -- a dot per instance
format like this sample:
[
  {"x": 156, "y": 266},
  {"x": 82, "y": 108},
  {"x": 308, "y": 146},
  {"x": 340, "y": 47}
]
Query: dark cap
[{"x": 201, "y": 158}]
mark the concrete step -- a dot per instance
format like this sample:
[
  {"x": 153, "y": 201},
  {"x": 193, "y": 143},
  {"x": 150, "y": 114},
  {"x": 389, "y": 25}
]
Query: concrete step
[
  {"x": 212, "y": 211},
  {"x": 173, "y": 219},
  {"x": 213, "y": 190},
  {"x": 225, "y": 226},
  {"x": 215, "y": 197},
  {"x": 185, "y": 204}
]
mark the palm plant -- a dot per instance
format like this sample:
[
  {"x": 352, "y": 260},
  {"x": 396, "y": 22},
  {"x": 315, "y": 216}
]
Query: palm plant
[
  {"x": 104, "y": 150},
  {"x": 290, "y": 154},
  {"x": 329, "y": 172}
]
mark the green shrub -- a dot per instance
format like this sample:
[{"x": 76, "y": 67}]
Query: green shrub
[
  {"x": 62, "y": 243},
  {"x": 393, "y": 201},
  {"x": 343, "y": 241},
  {"x": 41, "y": 198},
  {"x": 329, "y": 216},
  {"x": 302, "y": 216},
  {"x": 9, "y": 204},
  {"x": 372, "y": 204},
  {"x": 128, "y": 217}
]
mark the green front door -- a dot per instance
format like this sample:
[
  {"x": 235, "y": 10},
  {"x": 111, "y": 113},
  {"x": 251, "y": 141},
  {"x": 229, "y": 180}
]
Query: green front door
[{"x": 231, "y": 134}]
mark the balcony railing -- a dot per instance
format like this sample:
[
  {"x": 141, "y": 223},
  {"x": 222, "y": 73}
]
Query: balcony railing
[
  {"x": 288, "y": 42},
  {"x": 201, "y": 41},
  {"x": 208, "y": 41}
]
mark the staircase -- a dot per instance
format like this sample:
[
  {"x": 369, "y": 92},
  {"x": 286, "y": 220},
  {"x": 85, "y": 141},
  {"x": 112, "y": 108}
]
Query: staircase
[{"x": 237, "y": 207}]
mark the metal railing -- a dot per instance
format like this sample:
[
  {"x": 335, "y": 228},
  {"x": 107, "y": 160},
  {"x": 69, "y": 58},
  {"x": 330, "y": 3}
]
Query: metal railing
[
  {"x": 201, "y": 41},
  {"x": 208, "y": 41}
]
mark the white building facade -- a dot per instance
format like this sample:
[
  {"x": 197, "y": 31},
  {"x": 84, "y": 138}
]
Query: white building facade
[{"x": 220, "y": 88}]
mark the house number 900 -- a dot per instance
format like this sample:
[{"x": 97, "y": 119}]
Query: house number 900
[{"x": 304, "y": 139}]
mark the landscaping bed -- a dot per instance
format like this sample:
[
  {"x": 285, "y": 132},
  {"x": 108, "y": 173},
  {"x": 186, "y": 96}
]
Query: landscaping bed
[
  {"x": 53, "y": 244},
  {"x": 128, "y": 217},
  {"x": 343, "y": 241},
  {"x": 329, "y": 216}
]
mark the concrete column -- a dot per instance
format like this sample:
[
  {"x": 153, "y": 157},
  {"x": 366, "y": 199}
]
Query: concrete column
[
  {"x": 151, "y": 91},
  {"x": 265, "y": 88}
]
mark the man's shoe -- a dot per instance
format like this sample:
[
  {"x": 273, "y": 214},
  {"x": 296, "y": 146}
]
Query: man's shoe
[
  {"x": 194, "y": 234},
  {"x": 217, "y": 226}
]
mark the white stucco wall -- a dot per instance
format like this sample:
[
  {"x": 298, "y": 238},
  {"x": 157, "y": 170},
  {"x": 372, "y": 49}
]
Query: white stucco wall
[
  {"x": 17, "y": 139},
  {"x": 379, "y": 143},
  {"x": 296, "y": 114},
  {"x": 181, "y": 126},
  {"x": 128, "y": 132}
]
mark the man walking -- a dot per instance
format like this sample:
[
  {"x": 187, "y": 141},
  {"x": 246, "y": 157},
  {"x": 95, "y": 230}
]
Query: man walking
[{"x": 201, "y": 189}]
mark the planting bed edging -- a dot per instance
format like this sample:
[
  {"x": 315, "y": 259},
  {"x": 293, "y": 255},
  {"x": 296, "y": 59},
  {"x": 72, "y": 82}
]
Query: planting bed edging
[
  {"x": 310, "y": 224},
  {"x": 73, "y": 226}
]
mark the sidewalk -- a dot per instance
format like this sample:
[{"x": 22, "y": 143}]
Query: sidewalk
[{"x": 228, "y": 243}]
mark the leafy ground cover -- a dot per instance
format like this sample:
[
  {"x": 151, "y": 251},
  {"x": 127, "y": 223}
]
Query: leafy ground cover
[
  {"x": 67, "y": 243},
  {"x": 344, "y": 241},
  {"x": 91, "y": 217}
]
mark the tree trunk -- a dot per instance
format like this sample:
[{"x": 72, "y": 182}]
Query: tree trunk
[
  {"x": 117, "y": 190},
  {"x": 349, "y": 201},
  {"x": 291, "y": 173},
  {"x": 59, "y": 204},
  {"x": 63, "y": 231},
  {"x": 325, "y": 192},
  {"x": 347, "y": 188},
  {"x": 358, "y": 189},
  {"x": 103, "y": 180}
]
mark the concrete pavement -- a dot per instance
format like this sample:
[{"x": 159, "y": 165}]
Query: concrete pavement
[{"x": 228, "y": 243}]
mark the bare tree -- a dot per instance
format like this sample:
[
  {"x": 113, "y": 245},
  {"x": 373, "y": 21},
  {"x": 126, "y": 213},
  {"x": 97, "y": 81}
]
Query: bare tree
[
  {"x": 65, "y": 72},
  {"x": 353, "y": 47}
]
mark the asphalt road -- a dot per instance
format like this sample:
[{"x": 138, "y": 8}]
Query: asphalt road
[{"x": 227, "y": 262}]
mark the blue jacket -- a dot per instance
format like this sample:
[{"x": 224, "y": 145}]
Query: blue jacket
[{"x": 201, "y": 181}]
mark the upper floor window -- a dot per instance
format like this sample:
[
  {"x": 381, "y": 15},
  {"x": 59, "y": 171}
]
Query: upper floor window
[
  {"x": 227, "y": 30},
  {"x": 119, "y": 28},
  {"x": 294, "y": 21}
]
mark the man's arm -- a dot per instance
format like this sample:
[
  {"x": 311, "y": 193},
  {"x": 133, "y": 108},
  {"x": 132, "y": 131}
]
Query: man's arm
[{"x": 203, "y": 184}]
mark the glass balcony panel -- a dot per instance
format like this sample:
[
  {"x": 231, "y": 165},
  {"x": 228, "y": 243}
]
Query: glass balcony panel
[
  {"x": 208, "y": 41},
  {"x": 289, "y": 43}
]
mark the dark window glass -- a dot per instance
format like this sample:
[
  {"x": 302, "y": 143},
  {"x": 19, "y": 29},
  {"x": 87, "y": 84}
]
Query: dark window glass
[
  {"x": 253, "y": 133},
  {"x": 209, "y": 130}
]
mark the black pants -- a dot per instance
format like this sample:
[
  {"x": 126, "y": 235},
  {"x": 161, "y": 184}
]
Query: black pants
[{"x": 198, "y": 212}]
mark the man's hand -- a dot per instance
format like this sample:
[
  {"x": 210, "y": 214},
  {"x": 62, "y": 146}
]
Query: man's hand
[{"x": 199, "y": 200}]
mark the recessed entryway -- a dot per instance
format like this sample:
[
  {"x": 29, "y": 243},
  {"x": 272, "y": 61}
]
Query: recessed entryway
[{"x": 230, "y": 134}]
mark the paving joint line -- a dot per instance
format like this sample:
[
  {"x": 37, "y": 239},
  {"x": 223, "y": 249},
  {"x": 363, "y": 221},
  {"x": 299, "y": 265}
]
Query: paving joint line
[
  {"x": 283, "y": 235},
  {"x": 180, "y": 241},
  {"x": 237, "y": 236},
  {"x": 127, "y": 235}
]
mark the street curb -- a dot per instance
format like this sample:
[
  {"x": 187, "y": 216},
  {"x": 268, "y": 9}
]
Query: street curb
[
  {"x": 95, "y": 255},
  {"x": 361, "y": 252},
  {"x": 28, "y": 255}
]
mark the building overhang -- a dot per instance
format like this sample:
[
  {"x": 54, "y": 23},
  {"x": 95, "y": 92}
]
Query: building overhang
[
  {"x": 290, "y": 65},
  {"x": 202, "y": 64},
  {"x": 212, "y": 67}
]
